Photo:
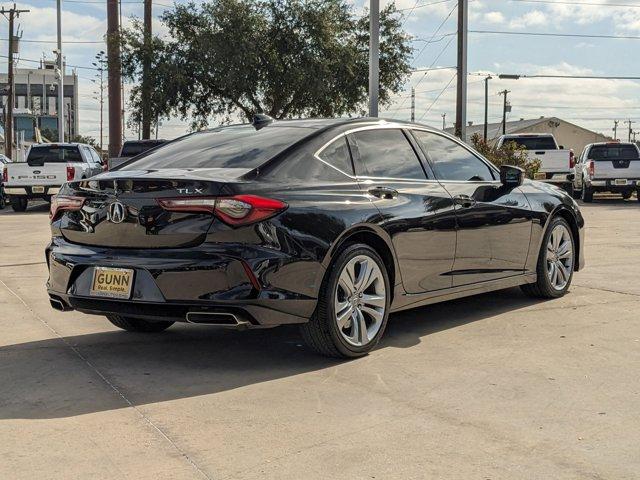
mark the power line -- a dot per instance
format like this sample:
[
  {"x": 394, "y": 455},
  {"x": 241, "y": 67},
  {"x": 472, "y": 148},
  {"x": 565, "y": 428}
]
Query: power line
[
  {"x": 30, "y": 60},
  {"x": 422, "y": 6},
  {"x": 544, "y": 34},
  {"x": 54, "y": 41},
  {"x": 436, "y": 32},
  {"x": 439, "y": 95}
]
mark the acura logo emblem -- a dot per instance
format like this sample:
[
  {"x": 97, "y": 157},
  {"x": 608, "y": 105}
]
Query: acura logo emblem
[{"x": 117, "y": 212}]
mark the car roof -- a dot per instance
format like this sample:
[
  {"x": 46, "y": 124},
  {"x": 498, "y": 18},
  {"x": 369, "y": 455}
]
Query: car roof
[
  {"x": 528, "y": 135},
  {"x": 611, "y": 143},
  {"x": 60, "y": 144}
]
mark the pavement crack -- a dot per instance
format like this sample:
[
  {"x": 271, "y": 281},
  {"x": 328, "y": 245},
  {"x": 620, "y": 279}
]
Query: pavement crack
[
  {"x": 113, "y": 387},
  {"x": 607, "y": 290}
]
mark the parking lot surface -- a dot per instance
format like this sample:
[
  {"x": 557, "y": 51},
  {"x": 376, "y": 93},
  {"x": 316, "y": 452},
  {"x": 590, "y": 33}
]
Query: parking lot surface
[{"x": 497, "y": 386}]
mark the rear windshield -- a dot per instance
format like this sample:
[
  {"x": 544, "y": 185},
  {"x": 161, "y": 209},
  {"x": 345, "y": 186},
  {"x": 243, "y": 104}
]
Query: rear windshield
[
  {"x": 533, "y": 143},
  {"x": 53, "y": 154},
  {"x": 238, "y": 146},
  {"x": 613, "y": 152},
  {"x": 131, "y": 149}
]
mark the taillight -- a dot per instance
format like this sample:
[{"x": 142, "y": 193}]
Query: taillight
[
  {"x": 592, "y": 168},
  {"x": 61, "y": 203},
  {"x": 572, "y": 159},
  {"x": 71, "y": 173},
  {"x": 235, "y": 211},
  {"x": 5, "y": 175}
]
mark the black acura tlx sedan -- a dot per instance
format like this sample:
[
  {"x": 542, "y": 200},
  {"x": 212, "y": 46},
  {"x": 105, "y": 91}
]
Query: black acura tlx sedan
[{"x": 331, "y": 224}]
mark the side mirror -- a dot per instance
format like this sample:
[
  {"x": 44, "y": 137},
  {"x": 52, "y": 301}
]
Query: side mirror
[{"x": 511, "y": 176}]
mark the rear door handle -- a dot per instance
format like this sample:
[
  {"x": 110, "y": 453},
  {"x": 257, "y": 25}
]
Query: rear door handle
[
  {"x": 383, "y": 192},
  {"x": 465, "y": 201}
]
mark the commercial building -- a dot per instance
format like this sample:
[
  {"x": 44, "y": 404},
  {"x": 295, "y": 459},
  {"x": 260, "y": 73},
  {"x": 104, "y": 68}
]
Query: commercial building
[
  {"x": 36, "y": 102},
  {"x": 567, "y": 134}
]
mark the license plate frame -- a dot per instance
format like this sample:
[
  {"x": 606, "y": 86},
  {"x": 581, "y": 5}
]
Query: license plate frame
[
  {"x": 110, "y": 282},
  {"x": 37, "y": 189},
  {"x": 620, "y": 181}
]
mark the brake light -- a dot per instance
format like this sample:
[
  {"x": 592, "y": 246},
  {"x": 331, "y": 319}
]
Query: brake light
[
  {"x": 572, "y": 159},
  {"x": 61, "y": 203},
  {"x": 71, "y": 173},
  {"x": 5, "y": 175},
  {"x": 592, "y": 168},
  {"x": 235, "y": 211}
]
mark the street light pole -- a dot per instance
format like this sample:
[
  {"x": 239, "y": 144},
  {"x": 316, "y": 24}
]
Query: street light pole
[
  {"x": 60, "y": 75},
  {"x": 461, "y": 91},
  {"x": 486, "y": 105},
  {"x": 374, "y": 56}
]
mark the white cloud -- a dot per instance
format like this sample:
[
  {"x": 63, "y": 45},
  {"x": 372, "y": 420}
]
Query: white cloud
[
  {"x": 534, "y": 18},
  {"x": 494, "y": 17}
]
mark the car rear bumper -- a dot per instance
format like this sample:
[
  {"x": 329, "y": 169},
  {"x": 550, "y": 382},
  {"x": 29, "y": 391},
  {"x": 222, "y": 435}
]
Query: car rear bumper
[
  {"x": 555, "y": 177},
  {"x": 28, "y": 191},
  {"x": 197, "y": 285},
  {"x": 632, "y": 183}
]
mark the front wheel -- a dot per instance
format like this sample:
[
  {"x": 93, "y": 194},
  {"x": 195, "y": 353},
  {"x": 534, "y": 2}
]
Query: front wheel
[
  {"x": 626, "y": 195},
  {"x": 556, "y": 262},
  {"x": 138, "y": 325},
  {"x": 353, "y": 305}
]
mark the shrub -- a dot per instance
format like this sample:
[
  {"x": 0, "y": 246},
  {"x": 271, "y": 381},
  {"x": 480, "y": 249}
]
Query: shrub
[{"x": 508, "y": 154}]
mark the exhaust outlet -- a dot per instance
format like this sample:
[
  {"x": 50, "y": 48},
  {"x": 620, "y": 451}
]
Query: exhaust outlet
[
  {"x": 58, "y": 304},
  {"x": 220, "y": 319}
]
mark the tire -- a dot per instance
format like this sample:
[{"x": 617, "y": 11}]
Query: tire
[
  {"x": 587, "y": 194},
  {"x": 569, "y": 189},
  {"x": 350, "y": 340},
  {"x": 575, "y": 193},
  {"x": 19, "y": 204},
  {"x": 138, "y": 325},
  {"x": 626, "y": 195},
  {"x": 3, "y": 200},
  {"x": 545, "y": 286}
]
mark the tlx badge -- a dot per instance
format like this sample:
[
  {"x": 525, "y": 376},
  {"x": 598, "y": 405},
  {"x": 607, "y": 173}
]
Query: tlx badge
[{"x": 191, "y": 191}]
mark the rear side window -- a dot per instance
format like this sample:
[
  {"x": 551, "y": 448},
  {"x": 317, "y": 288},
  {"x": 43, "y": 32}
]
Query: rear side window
[
  {"x": 337, "y": 155},
  {"x": 53, "y": 154},
  {"x": 237, "y": 146},
  {"x": 533, "y": 143},
  {"x": 386, "y": 153},
  {"x": 450, "y": 160},
  {"x": 614, "y": 152}
]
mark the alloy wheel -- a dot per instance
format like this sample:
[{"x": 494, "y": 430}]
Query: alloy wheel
[
  {"x": 559, "y": 257},
  {"x": 360, "y": 300}
]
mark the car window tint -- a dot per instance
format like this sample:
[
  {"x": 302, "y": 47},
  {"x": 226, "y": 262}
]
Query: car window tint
[
  {"x": 236, "y": 146},
  {"x": 337, "y": 155},
  {"x": 39, "y": 155},
  {"x": 452, "y": 161},
  {"x": 386, "y": 153},
  {"x": 614, "y": 152},
  {"x": 533, "y": 143}
]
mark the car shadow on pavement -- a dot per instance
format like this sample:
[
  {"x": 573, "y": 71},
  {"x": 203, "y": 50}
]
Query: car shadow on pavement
[{"x": 75, "y": 375}]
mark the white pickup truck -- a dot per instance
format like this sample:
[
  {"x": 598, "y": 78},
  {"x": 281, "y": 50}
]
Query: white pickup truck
[
  {"x": 608, "y": 167},
  {"x": 556, "y": 162},
  {"x": 47, "y": 168}
]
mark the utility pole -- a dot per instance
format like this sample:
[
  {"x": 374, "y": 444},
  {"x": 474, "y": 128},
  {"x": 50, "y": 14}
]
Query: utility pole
[
  {"x": 11, "y": 92},
  {"x": 615, "y": 129},
  {"x": 146, "y": 72},
  {"x": 461, "y": 91},
  {"x": 486, "y": 106},
  {"x": 60, "y": 75},
  {"x": 444, "y": 121},
  {"x": 374, "y": 56},
  {"x": 504, "y": 110},
  {"x": 413, "y": 104},
  {"x": 114, "y": 78},
  {"x": 630, "y": 122}
]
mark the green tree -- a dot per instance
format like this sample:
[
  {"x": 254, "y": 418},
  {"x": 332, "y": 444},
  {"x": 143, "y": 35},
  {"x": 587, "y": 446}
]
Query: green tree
[
  {"x": 509, "y": 154},
  {"x": 285, "y": 58}
]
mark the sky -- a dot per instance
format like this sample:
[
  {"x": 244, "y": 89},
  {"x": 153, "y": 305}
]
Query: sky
[{"x": 594, "y": 104}]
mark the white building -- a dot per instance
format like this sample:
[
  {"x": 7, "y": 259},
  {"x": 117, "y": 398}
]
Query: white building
[{"x": 36, "y": 91}]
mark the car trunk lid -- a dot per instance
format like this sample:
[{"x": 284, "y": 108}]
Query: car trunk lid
[{"x": 121, "y": 208}]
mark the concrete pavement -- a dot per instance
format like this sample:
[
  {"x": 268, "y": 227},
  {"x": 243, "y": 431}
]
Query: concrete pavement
[{"x": 491, "y": 387}]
